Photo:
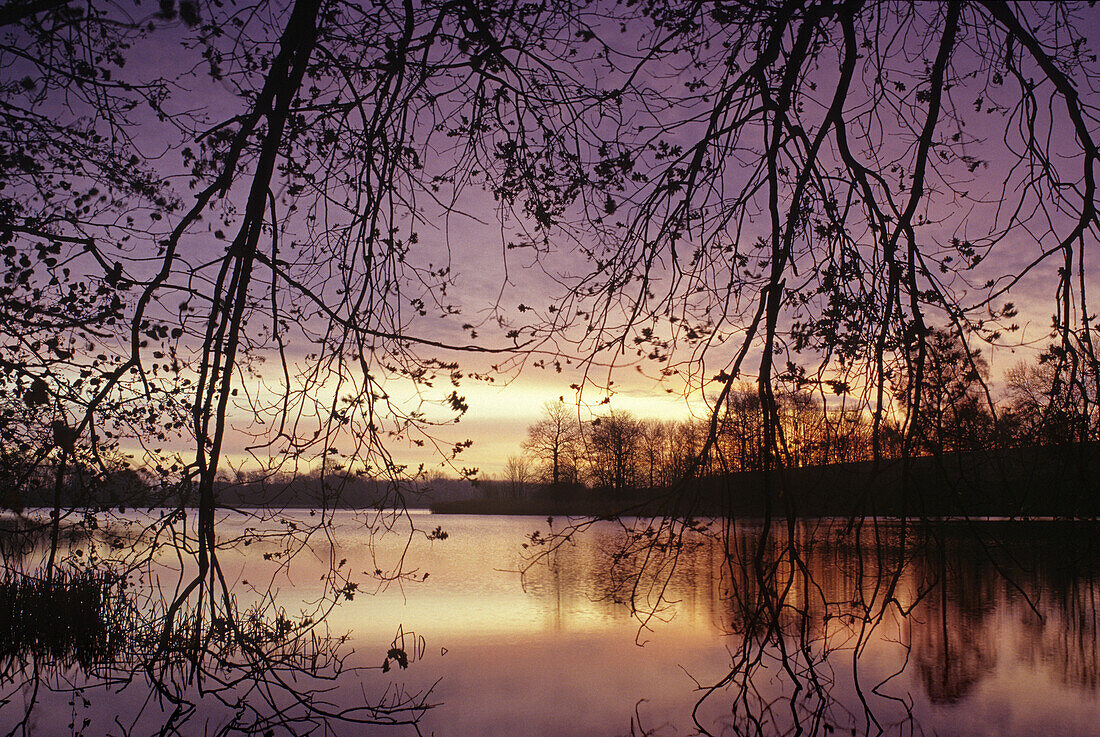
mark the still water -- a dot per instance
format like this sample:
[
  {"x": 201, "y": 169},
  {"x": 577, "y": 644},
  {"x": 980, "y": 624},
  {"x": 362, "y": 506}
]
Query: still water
[{"x": 624, "y": 629}]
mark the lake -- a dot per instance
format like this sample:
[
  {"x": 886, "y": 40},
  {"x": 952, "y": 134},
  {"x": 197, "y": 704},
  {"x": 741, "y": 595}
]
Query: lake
[{"x": 626, "y": 628}]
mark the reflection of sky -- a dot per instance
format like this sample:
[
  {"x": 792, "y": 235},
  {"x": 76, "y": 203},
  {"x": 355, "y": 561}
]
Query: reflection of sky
[{"x": 551, "y": 654}]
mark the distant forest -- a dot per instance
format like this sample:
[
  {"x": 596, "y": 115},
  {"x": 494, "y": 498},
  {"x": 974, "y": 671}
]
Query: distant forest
[
  {"x": 1033, "y": 451},
  {"x": 1039, "y": 406}
]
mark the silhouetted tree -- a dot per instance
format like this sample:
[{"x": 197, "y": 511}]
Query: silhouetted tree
[
  {"x": 655, "y": 453},
  {"x": 944, "y": 383},
  {"x": 553, "y": 441},
  {"x": 740, "y": 442},
  {"x": 613, "y": 442},
  {"x": 517, "y": 472},
  {"x": 1045, "y": 403}
]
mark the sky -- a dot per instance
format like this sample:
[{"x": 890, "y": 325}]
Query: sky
[{"x": 474, "y": 287}]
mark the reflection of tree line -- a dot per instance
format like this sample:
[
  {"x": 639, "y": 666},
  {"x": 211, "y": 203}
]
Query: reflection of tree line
[{"x": 964, "y": 594}]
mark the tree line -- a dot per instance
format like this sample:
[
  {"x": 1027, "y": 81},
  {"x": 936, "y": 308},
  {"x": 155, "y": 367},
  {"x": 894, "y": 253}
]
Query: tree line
[{"x": 817, "y": 426}]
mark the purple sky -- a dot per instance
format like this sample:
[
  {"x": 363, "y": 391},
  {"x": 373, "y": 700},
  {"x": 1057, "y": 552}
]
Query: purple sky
[{"x": 492, "y": 289}]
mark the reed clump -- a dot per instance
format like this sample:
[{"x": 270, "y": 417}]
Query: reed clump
[{"x": 72, "y": 617}]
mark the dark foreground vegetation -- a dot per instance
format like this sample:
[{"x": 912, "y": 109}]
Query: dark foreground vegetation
[{"x": 70, "y": 617}]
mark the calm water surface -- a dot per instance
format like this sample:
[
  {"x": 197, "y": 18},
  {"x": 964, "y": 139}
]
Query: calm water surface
[{"x": 961, "y": 629}]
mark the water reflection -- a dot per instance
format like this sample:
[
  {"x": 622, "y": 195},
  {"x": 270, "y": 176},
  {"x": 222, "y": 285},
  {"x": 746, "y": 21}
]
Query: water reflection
[
  {"x": 633, "y": 627},
  {"x": 861, "y": 627},
  {"x": 107, "y": 643}
]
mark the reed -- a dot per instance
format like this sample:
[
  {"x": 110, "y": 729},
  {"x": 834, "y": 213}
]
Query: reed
[{"x": 73, "y": 617}]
